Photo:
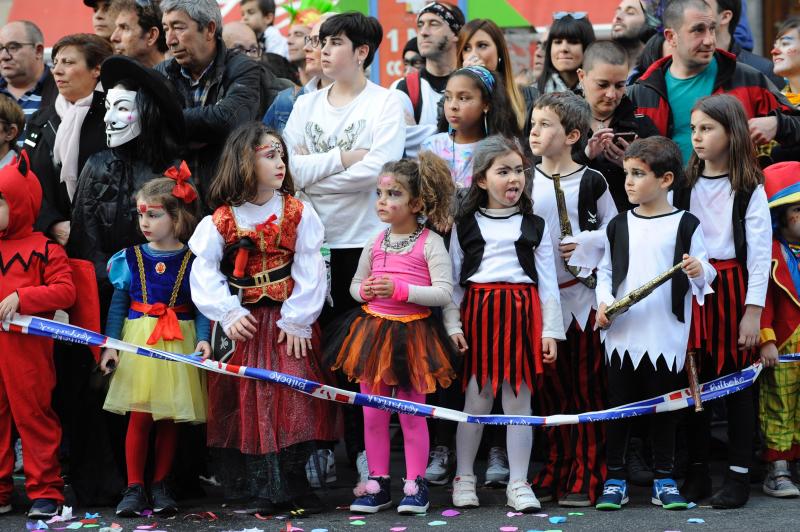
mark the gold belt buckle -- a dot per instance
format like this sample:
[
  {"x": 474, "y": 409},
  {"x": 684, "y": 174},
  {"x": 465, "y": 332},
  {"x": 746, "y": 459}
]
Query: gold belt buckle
[{"x": 261, "y": 278}]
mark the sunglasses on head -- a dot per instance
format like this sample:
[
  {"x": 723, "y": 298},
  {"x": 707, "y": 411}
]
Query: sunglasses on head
[{"x": 577, "y": 15}]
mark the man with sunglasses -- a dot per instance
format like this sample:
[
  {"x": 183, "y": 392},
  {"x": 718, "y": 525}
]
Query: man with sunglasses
[{"x": 24, "y": 76}]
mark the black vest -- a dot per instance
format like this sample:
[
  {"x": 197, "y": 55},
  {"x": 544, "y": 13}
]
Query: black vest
[
  {"x": 618, "y": 238},
  {"x": 593, "y": 186},
  {"x": 472, "y": 243},
  {"x": 682, "y": 198}
]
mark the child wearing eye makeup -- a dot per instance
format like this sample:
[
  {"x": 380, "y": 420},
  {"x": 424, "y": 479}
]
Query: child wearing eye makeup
[
  {"x": 260, "y": 276},
  {"x": 152, "y": 306},
  {"x": 393, "y": 345}
]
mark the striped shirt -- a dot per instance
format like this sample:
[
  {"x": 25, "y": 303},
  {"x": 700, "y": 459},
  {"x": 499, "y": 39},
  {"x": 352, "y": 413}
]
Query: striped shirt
[{"x": 30, "y": 101}]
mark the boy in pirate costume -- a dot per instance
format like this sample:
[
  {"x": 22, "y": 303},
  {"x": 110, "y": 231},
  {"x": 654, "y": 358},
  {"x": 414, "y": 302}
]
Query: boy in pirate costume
[{"x": 780, "y": 332}]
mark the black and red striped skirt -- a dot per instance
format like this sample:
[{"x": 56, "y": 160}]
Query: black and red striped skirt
[
  {"x": 719, "y": 320},
  {"x": 503, "y": 328}
]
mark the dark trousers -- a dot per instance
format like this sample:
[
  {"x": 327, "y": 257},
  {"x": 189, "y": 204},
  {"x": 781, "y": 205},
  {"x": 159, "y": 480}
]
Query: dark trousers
[{"x": 626, "y": 385}]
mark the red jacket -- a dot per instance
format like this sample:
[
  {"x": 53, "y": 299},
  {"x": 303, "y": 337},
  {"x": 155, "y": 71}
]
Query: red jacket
[
  {"x": 758, "y": 95},
  {"x": 781, "y": 315}
]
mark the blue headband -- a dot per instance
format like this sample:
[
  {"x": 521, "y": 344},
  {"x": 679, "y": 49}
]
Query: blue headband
[{"x": 483, "y": 74}]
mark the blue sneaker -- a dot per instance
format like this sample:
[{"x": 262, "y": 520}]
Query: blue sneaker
[
  {"x": 615, "y": 495},
  {"x": 376, "y": 499},
  {"x": 666, "y": 494},
  {"x": 43, "y": 509},
  {"x": 416, "y": 503}
]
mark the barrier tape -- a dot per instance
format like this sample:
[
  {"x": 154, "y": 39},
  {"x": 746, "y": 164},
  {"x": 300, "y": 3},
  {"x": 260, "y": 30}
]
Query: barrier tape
[{"x": 672, "y": 401}]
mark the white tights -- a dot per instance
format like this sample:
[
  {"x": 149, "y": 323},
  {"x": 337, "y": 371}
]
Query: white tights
[{"x": 519, "y": 439}]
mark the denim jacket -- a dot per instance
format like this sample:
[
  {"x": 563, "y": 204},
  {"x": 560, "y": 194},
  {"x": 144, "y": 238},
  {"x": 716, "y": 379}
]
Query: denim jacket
[{"x": 278, "y": 113}]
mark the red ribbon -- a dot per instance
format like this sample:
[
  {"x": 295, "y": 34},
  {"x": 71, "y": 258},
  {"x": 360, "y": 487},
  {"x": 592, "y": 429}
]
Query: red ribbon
[
  {"x": 167, "y": 327},
  {"x": 265, "y": 224},
  {"x": 182, "y": 189}
]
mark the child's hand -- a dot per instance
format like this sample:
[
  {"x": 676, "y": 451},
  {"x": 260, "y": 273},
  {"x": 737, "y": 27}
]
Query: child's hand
[
  {"x": 769, "y": 355},
  {"x": 109, "y": 360},
  {"x": 9, "y": 306},
  {"x": 691, "y": 266},
  {"x": 366, "y": 289},
  {"x": 295, "y": 345},
  {"x": 243, "y": 329},
  {"x": 749, "y": 327},
  {"x": 600, "y": 317},
  {"x": 460, "y": 342},
  {"x": 567, "y": 250},
  {"x": 205, "y": 348},
  {"x": 549, "y": 350},
  {"x": 382, "y": 286}
]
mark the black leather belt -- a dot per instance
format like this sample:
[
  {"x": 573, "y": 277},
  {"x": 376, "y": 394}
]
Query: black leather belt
[{"x": 268, "y": 277}]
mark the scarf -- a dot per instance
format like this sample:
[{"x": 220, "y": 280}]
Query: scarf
[
  {"x": 794, "y": 98},
  {"x": 555, "y": 84},
  {"x": 68, "y": 138}
]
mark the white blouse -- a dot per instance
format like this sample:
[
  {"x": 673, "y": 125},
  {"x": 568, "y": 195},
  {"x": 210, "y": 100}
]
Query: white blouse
[
  {"x": 210, "y": 289},
  {"x": 577, "y": 300},
  {"x": 649, "y": 327},
  {"x": 500, "y": 229}
]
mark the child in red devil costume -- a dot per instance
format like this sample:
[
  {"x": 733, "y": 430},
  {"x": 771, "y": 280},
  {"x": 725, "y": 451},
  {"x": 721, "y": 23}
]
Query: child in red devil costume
[{"x": 35, "y": 278}]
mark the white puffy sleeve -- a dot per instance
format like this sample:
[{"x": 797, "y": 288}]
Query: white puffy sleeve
[
  {"x": 701, "y": 285},
  {"x": 452, "y": 311},
  {"x": 210, "y": 292},
  {"x": 301, "y": 310},
  {"x": 549, "y": 296},
  {"x": 758, "y": 232},
  {"x": 604, "y": 284}
]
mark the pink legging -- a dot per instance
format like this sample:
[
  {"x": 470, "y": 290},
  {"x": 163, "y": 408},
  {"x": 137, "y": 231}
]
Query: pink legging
[{"x": 376, "y": 435}]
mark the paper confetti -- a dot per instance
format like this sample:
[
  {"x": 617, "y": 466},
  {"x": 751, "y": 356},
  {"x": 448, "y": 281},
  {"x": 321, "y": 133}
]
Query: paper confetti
[
  {"x": 539, "y": 515},
  {"x": 91, "y": 516},
  {"x": 558, "y": 519},
  {"x": 508, "y": 529},
  {"x": 319, "y": 530},
  {"x": 696, "y": 520},
  {"x": 358, "y": 522},
  {"x": 398, "y": 529},
  {"x": 356, "y": 517},
  {"x": 451, "y": 513},
  {"x": 74, "y": 526},
  {"x": 575, "y": 513},
  {"x": 437, "y": 523},
  {"x": 691, "y": 505},
  {"x": 513, "y": 514}
]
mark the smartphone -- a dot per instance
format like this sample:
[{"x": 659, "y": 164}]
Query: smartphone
[{"x": 628, "y": 136}]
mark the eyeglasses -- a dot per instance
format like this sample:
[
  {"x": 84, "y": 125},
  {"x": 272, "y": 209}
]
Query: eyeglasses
[
  {"x": 14, "y": 47},
  {"x": 577, "y": 15},
  {"x": 312, "y": 40},
  {"x": 253, "y": 51}
]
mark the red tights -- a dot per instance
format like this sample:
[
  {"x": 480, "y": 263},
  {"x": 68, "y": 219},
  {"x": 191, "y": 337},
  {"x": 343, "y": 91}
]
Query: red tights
[{"x": 136, "y": 444}]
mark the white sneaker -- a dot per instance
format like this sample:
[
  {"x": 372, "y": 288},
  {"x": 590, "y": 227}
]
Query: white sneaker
[
  {"x": 363, "y": 467},
  {"x": 497, "y": 470},
  {"x": 440, "y": 468},
  {"x": 322, "y": 461},
  {"x": 17, "y": 456},
  {"x": 520, "y": 497},
  {"x": 464, "y": 495}
]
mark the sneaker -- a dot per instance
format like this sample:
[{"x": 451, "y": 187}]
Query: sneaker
[
  {"x": 163, "y": 502},
  {"x": 5, "y": 508},
  {"x": 43, "y": 509},
  {"x": 376, "y": 498},
  {"x": 697, "y": 485},
  {"x": 575, "y": 500},
  {"x": 416, "y": 497},
  {"x": 464, "y": 495},
  {"x": 363, "y": 467},
  {"x": 520, "y": 497},
  {"x": 18, "y": 466},
  {"x": 639, "y": 472},
  {"x": 497, "y": 470},
  {"x": 322, "y": 462},
  {"x": 615, "y": 495},
  {"x": 779, "y": 482},
  {"x": 440, "y": 467},
  {"x": 666, "y": 495},
  {"x": 735, "y": 491},
  {"x": 134, "y": 501}
]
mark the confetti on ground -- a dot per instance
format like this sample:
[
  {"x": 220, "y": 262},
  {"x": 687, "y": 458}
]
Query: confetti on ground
[
  {"x": 91, "y": 516},
  {"x": 558, "y": 519},
  {"x": 355, "y": 517},
  {"x": 539, "y": 515},
  {"x": 398, "y": 529},
  {"x": 696, "y": 520},
  {"x": 691, "y": 505},
  {"x": 437, "y": 523},
  {"x": 74, "y": 526},
  {"x": 451, "y": 513},
  {"x": 508, "y": 529},
  {"x": 319, "y": 530},
  {"x": 575, "y": 513},
  {"x": 513, "y": 514},
  {"x": 358, "y": 522}
]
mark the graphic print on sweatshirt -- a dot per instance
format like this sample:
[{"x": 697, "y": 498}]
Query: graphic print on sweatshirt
[{"x": 320, "y": 143}]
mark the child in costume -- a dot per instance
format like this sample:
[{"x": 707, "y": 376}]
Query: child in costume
[
  {"x": 152, "y": 306},
  {"x": 724, "y": 190},
  {"x": 392, "y": 344},
  {"x": 646, "y": 346},
  {"x": 35, "y": 278},
  {"x": 264, "y": 245},
  {"x": 507, "y": 300},
  {"x": 780, "y": 332},
  {"x": 575, "y": 467}
]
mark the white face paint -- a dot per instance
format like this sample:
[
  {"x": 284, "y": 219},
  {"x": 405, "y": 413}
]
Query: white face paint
[{"x": 122, "y": 117}]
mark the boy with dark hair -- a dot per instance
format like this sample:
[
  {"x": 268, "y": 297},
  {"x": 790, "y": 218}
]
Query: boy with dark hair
[
  {"x": 574, "y": 471},
  {"x": 260, "y": 16},
  {"x": 646, "y": 346}
]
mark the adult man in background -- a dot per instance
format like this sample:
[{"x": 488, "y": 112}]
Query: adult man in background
[
  {"x": 25, "y": 77},
  {"x": 103, "y": 17},
  {"x": 138, "y": 33},
  {"x": 630, "y": 28}
]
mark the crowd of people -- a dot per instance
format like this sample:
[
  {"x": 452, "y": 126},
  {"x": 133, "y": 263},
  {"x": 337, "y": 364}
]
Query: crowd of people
[{"x": 459, "y": 238}]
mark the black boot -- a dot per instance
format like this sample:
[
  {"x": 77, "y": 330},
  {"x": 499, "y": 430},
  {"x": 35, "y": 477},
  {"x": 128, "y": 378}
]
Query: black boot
[
  {"x": 735, "y": 491},
  {"x": 697, "y": 485}
]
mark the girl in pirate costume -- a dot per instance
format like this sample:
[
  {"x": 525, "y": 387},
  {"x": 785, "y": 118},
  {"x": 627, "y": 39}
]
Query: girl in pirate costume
[
  {"x": 508, "y": 302},
  {"x": 393, "y": 344},
  {"x": 264, "y": 245},
  {"x": 726, "y": 193},
  {"x": 152, "y": 306}
]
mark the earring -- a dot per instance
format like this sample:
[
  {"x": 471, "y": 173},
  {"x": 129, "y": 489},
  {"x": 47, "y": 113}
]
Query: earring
[{"x": 485, "y": 123}]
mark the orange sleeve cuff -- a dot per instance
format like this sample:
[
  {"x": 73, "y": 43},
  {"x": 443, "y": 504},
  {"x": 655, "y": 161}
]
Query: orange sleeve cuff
[{"x": 766, "y": 336}]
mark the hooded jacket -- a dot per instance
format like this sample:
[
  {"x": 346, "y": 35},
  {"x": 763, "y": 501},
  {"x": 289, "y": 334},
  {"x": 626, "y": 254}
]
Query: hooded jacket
[{"x": 30, "y": 265}]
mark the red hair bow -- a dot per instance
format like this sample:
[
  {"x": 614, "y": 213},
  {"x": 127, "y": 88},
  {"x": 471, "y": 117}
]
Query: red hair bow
[{"x": 182, "y": 189}]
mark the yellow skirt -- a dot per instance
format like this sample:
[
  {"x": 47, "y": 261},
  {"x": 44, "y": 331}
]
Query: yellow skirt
[{"x": 164, "y": 389}]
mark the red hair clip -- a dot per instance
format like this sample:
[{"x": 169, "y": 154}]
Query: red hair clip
[{"x": 182, "y": 189}]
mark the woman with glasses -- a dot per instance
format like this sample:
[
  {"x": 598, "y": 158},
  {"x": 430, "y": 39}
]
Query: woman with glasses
[{"x": 569, "y": 36}]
